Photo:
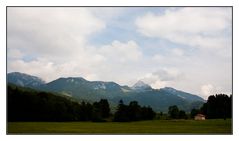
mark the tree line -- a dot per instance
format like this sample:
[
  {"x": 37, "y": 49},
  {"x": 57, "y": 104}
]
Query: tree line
[
  {"x": 133, "y": 112},
  {"x": 175, "y": 113},
  {"x": 31, "y": 105},
  {"x": 217, "y": 106}
]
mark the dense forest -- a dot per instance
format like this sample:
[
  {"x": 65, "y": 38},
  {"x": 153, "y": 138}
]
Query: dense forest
[
  {"x": 218, "y": 106},
  {"x": 25, "y": 104},
  {"x": 30, "y": 105}
]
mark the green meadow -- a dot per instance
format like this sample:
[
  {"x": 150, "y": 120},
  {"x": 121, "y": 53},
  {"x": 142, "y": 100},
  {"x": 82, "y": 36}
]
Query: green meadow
[{"x": 212, "y": 126}]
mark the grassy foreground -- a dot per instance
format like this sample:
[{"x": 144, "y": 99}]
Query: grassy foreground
[{"x": 215, "y": 126}]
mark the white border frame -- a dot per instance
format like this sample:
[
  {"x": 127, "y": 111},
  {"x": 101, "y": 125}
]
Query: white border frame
[{"x": 4, "y": 3}]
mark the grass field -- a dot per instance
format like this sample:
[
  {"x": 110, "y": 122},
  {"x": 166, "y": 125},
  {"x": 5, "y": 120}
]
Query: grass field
[{"x": 216, "y": 126}]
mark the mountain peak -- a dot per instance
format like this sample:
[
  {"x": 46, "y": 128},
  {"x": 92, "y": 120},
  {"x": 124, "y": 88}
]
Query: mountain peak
[
  {"x": 140, "y": 85},
  {"x": 75, "y": 79},
  {"x": 69, "y": 81}
]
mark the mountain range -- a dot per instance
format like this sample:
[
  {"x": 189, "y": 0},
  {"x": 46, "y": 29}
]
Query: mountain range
[{"x": 78, "y": 88}]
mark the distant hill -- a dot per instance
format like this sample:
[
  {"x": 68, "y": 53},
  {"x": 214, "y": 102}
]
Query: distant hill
[
  {"x": 79, "y": 88},
  {"x": 24, "y": 80}
]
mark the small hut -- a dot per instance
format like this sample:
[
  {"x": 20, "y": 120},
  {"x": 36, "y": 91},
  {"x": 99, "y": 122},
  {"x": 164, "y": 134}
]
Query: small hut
[{"x": 199, "y": 117}]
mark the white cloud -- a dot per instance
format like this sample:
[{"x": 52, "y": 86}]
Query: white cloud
[
  {"x": 54, "y": 40},
  {"x": 154, "y": 81},
  {"x": 198, "y": 27},
  {"x": 38, "y": 68},
  {"x": 49, "y": 71},
  {"x": 201, "y": 49},
  {"x": 163, "y": 77},
  {"x": 159, "y": 84},
  {"x": 207, "y": 90},
  {"x": 60, "y": 36},
  {"x": 121, "y": 52},
  {"x": 47, "y": 31},
  {"x": 177, "y": 52},
  {"x": 168, "y": 74},
  {"x": 93, "y": 63},
  {"x": 157, "y": 57}
]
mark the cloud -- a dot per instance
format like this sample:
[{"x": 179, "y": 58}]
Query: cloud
[
  {"x": 168, "y": 74},
  {"x": 121, "y": 52},
  {"x": 159, "y": 84},
  {"x": 49, "y": 71},
  {"x": 196, "y": 41},
  {"x": 177, "y": 52},
  {"x": 47, "y": 31},
  {"x": 163, "y": 77},
  {"x": 197, "y": 27},
  {"x": 92, "y": 64},
  {"x": 207, "y": 90},
  {"x": 53, "y": 41},
  {"x": 154, "y": 81},
  {"x": 38, "y": 68}
]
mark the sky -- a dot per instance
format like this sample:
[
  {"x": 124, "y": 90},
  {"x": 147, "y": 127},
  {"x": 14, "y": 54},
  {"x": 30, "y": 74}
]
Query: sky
[{"x": 187, "y": 48}]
